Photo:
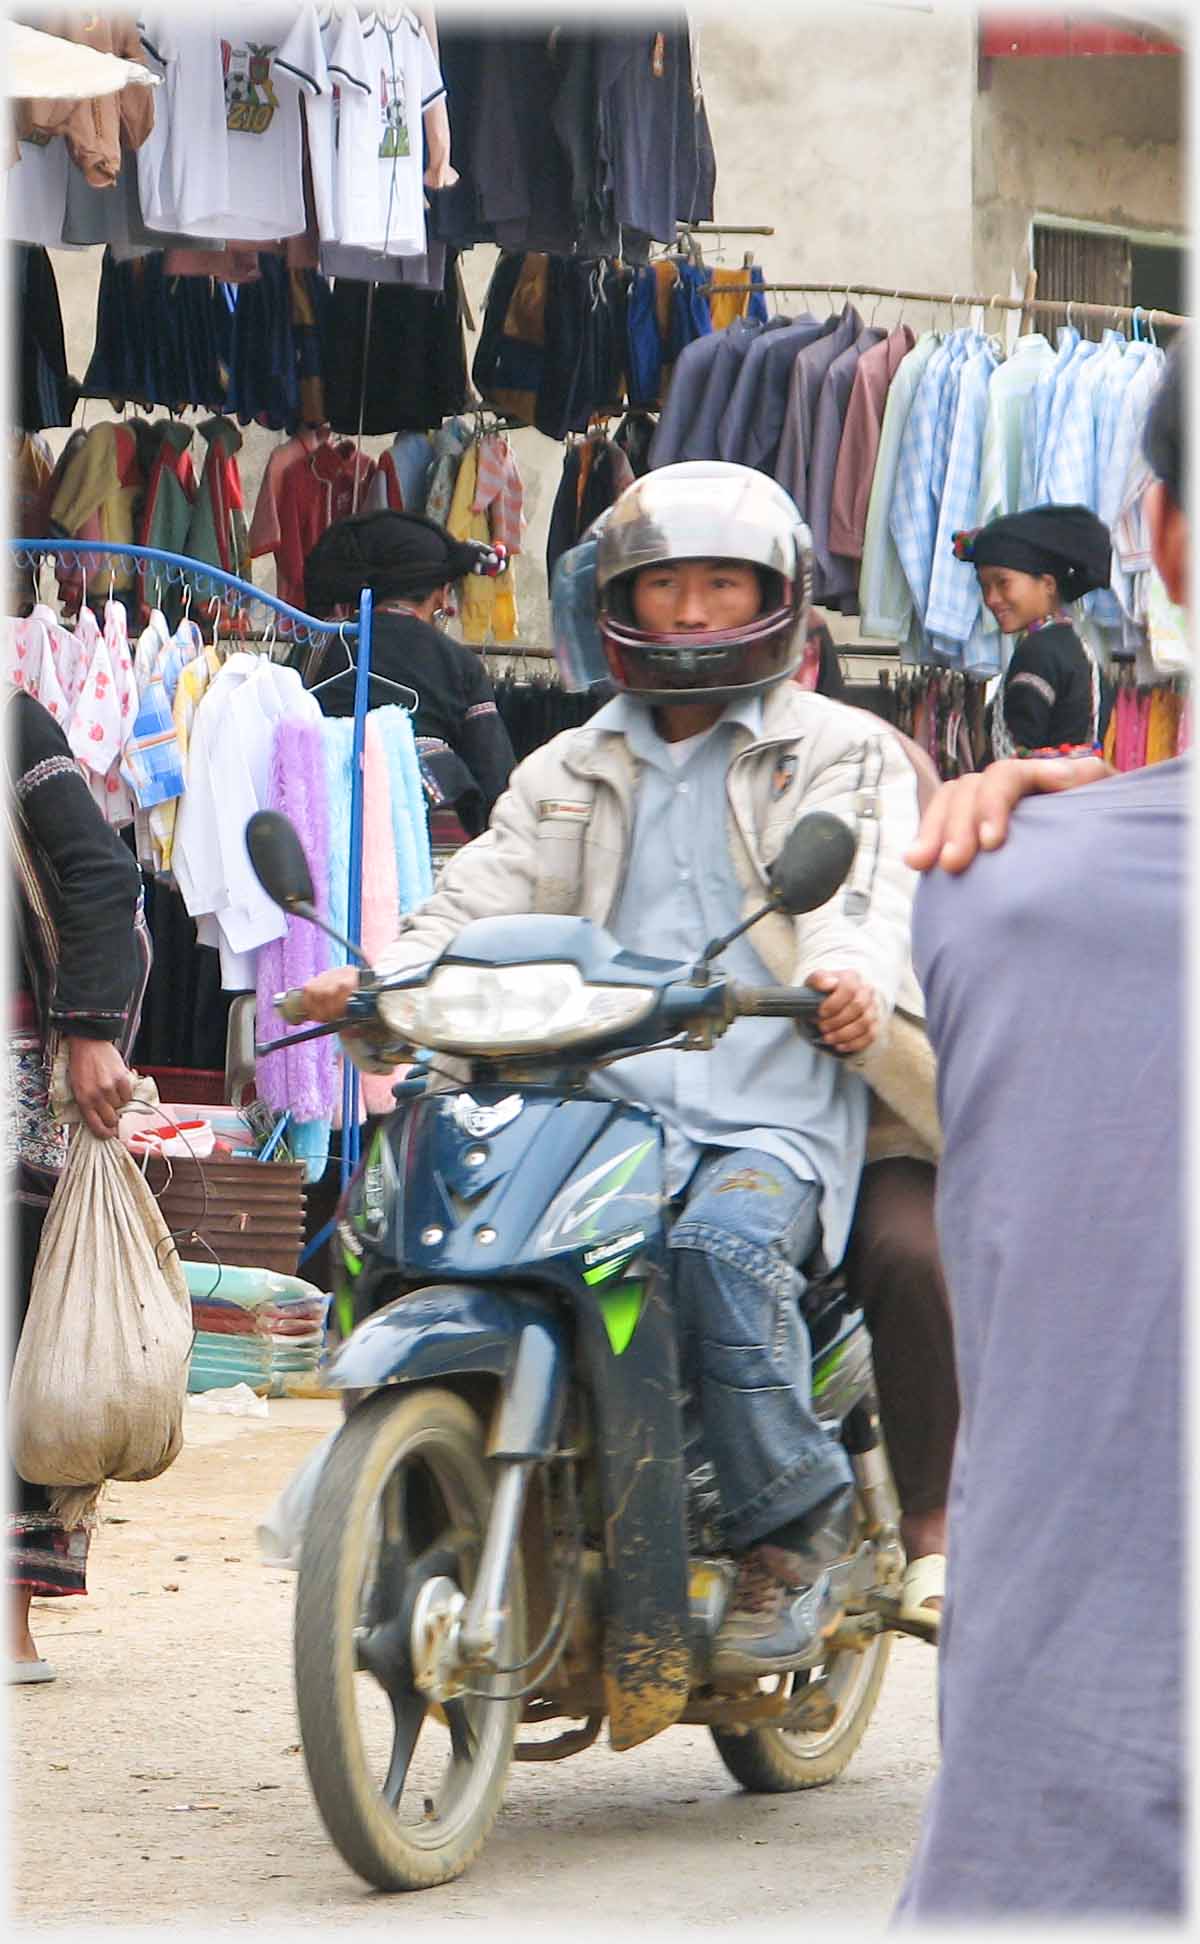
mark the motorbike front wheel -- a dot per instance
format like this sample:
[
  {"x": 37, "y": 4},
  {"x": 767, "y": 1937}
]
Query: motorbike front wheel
[{"x": 408, "y": 1792}]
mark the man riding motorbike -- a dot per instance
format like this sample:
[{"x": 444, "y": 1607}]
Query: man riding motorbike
[{"x": 659, "y": 819}]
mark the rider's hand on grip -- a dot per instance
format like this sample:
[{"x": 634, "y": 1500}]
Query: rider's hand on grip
[{"x": 291, "y": 1006}]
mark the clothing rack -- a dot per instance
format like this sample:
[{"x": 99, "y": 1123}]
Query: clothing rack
[
  {"x": 305, "y": 630},
  {"x": 1055, "y": 306},
  {"x": 517, "y": 653},
  {"x": 725, "y": 229}
]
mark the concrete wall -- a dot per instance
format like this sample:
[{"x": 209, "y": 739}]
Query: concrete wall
[{"x": 1102, "y": 139}]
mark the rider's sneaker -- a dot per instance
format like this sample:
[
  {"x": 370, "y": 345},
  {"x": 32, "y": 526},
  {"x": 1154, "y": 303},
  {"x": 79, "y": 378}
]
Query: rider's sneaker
[{"x": 786, "y": 1602}]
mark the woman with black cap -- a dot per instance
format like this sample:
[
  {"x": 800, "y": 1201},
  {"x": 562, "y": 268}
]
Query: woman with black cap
[
  {"x": 1053, "y": 700},
  {"x": 410, "y": 563}
]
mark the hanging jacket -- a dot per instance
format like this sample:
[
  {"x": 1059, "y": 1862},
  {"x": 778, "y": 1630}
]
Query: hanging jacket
[
  {"x": 594, "y": 475},
  {"x": 43, "y": 392},
  {"x": 96, "y": 130},
  {"x": 169, "y": 502},
  {"x": 500, "y": 492},
  {"x": 510, "y": 357},
  {"x": 485, "y": 604},
  {"x": 103, "y": 481},
  {"x": 329, "y": 484},
  {"x": 217, "y": 529}
]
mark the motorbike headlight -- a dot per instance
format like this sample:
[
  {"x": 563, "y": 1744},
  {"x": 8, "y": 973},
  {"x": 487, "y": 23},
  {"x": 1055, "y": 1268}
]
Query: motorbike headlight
[{"x": 491, "y": 1010}]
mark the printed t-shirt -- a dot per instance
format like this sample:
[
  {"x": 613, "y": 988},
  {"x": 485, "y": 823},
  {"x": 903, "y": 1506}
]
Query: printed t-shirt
[
  {"x": 346, "y": 67},
  {"x": 229, "y": 161},
  {"x": 382, "y": 141}
]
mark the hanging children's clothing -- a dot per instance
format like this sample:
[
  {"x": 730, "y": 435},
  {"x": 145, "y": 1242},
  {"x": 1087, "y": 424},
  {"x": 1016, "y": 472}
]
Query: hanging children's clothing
[
  {"x": 326, "y": 483},
  {"x": 227, "y": 161},
  {"x": 266, "y": 531},
  {"x": 486, "y": 605},
  {"x": 381, "y": 139},
  {"x": 729, "y": 298},
  {"x": 414, "y": 371},
  {"x": 595, "y": 473},
  {"x": 228, "y": 770}
]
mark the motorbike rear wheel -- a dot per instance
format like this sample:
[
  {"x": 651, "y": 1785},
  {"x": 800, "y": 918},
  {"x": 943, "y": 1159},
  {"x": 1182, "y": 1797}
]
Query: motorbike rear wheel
[
  {"x": 777, "y": 1761},
  {"x": 403, "y": 1498}
]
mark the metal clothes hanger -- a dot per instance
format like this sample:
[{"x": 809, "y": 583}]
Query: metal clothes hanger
[{"x": 398, "y": 688}]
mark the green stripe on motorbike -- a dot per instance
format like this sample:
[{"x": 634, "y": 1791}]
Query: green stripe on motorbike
[
  {"x": 825, "y": 1369},
  {"x": 621, "y": 1309},
  {"x": 619, "y": 1176},
  {"x": 345, "y": 1314},
  {"x": 605, "y": 1271}
]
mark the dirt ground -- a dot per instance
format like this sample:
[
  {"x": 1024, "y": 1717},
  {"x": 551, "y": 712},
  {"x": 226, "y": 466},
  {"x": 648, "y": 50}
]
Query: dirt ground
[{"x": 159, "y": 1780}]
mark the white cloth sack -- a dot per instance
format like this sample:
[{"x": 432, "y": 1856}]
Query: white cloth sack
[{"x": 101, "y": 1371}]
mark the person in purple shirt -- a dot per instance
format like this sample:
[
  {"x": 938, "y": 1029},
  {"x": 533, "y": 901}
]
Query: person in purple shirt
[{"x": 1051, "y": 951}]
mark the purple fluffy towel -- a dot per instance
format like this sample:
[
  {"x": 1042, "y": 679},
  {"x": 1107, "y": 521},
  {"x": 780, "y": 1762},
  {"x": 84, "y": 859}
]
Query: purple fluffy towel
[{"x": 304, "y": 1078}]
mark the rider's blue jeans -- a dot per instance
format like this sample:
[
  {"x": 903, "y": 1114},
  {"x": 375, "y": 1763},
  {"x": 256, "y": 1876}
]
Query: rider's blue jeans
[{"x": 746, "y": 1225}]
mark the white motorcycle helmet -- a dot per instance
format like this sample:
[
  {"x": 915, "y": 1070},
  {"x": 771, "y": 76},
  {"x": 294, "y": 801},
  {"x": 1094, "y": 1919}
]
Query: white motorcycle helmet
[{"x": 704, "y": 510}]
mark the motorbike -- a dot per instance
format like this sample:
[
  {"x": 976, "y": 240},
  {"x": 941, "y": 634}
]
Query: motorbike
[{"x": 512, "y": 1540}]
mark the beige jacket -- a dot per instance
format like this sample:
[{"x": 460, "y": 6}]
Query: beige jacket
[
  {"x": 559, "y": 840},
  {"x": 97, "y": 130}
]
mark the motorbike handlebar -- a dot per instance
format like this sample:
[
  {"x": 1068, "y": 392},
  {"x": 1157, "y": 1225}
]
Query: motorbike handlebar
[
  {"x": 776, "y": 1002},
  {"x": 290, "y": 1006}
]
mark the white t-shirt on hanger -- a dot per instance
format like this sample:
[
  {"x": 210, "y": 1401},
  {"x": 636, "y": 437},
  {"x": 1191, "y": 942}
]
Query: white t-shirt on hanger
[
  {"x": 347, "y": 68},
  {"x": 382, "y": 140},
  {"x": 35, "y": 193},
  {"x": 230, "y": 162}
]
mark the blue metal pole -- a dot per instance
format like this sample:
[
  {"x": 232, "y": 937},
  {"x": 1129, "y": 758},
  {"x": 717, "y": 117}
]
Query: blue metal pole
[{"x": 351, "y": 1139}]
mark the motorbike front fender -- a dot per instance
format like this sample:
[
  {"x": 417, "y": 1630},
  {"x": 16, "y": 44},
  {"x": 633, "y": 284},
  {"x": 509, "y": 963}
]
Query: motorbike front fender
[{"x": 466, "y": 1329}]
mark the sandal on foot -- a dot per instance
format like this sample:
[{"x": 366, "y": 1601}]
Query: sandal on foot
[
  {"x": 924, "y": 1579},
  {"x": 33, "y": 1673}
]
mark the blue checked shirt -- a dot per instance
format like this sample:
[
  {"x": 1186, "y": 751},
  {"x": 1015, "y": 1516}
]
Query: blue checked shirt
[
  {"x": 1130, "y": 419},
  {"x": 1063, "y": 455},
  {"x": 912, "y": 521},
  {"x": 1117, "y": 380},
  {"x": 1070, "y": 477},
  {"x": 1037, "y": 417},
  {"x": 954, "y": 602},
  {"x": 151, "y": 762},
  {"x": 884, "y": 597}
]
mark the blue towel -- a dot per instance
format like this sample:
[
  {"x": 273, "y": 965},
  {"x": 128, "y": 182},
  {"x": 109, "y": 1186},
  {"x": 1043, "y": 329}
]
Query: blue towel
[{"x": 414, "y": 868}]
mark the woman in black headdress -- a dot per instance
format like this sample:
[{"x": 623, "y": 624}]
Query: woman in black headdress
[
  {"x": 1053, "y": 699},
  {"x": 410, "y": 563}
]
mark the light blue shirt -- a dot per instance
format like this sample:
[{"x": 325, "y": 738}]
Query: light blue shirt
[
  {"x": 1036, "y": 418},
  {"x": 913, "y": 518},
  {"x": 954, "y": 602},
  {"x": 884, "y": 594},
  {"x": 763, "y": 1085}
]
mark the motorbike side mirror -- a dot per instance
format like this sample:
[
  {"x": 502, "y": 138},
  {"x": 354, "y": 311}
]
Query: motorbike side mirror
[
  {"x": 813, "y": 862},
  {"x": 815, "y": 859},
  {"x": 281, "y": 867},
  {"x": 279, "y": 862}
]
